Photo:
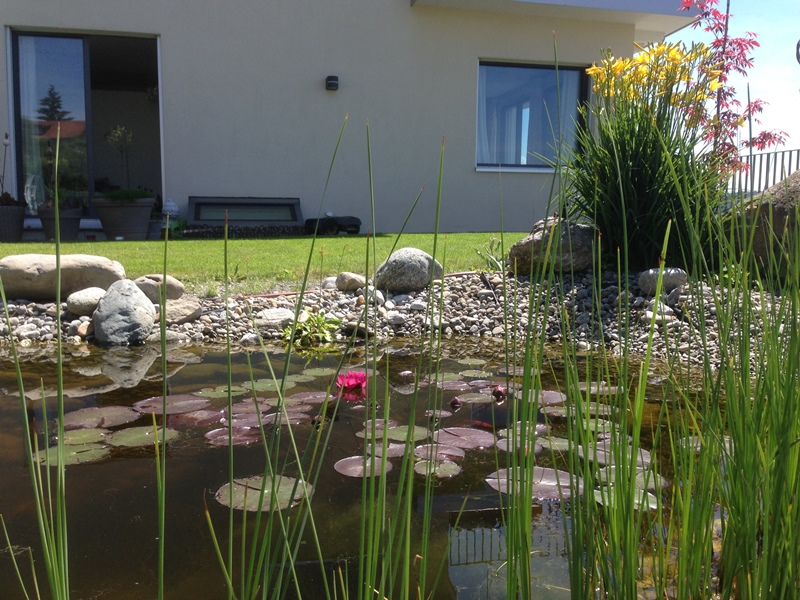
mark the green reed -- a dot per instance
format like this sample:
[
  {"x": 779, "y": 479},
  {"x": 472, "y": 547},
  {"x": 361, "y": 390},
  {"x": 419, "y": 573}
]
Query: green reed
[{"x": 49, "y": 498}]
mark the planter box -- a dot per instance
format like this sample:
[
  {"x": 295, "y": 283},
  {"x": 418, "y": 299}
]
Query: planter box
[
  {"x": 126, "y": 219},
  {"x": 69, "y": 223},
  {"x": 12, "y": 220}
]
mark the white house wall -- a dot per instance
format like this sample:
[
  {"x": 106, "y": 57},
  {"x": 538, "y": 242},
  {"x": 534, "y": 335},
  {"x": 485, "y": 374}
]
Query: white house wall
[{"x": 245, "y": 111}]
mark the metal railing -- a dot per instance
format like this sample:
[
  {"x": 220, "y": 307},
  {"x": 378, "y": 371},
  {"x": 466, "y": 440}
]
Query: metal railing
[{"x": 765, "y": 169}]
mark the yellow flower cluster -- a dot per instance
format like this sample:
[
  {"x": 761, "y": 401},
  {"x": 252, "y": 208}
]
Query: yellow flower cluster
[{"x": 669, "y": 73}]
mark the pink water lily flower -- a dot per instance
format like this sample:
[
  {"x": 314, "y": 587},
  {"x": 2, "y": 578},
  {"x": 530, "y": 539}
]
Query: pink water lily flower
[{"x": 352, "y": 385}]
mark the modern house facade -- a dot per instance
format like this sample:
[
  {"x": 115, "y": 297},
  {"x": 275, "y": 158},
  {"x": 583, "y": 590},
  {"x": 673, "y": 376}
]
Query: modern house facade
[{"x": 247, "y": 100}]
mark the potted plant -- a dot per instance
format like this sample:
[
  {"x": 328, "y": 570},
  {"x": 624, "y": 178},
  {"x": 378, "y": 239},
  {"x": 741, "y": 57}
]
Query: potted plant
[
  {"x": 125, "y": 214},
  {"x": 67, "y": 190},
  {"x": 12, "y": 211}
]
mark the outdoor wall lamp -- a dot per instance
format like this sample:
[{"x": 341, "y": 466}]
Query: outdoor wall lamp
[{"x": 332, "y": 83}]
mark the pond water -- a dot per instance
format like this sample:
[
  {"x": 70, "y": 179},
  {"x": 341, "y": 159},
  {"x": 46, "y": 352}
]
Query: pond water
[{"x": 112, "y": 502}]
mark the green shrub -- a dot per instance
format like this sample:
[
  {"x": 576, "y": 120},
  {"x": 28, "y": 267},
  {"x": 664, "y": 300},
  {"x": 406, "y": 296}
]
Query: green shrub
[{"x": 128, "y": 195}]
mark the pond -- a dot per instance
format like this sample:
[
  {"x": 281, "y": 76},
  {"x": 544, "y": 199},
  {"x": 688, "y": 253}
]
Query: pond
[{"x": 112, "y": 498}]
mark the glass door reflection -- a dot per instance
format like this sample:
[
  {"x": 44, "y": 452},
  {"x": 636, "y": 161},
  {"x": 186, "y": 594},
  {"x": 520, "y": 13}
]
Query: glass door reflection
[{"x": 51, "y": 93}]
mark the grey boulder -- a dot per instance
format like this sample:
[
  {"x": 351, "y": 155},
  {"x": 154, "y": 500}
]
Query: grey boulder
[
  {"x": 183, "y": 310},
  {"x": 124, "y": 315},
  {"x": 350, "y": 282},
  {"x": 33, "y": 276},
  {"x": 673, "y": 278},
  {"x": 150, "y": 285},
  {"x": 84, "y": 302},
  {"x": 274, "y": 318},
  {"x": 571, "y": 252},
  {"x": 407, "y": 270}
]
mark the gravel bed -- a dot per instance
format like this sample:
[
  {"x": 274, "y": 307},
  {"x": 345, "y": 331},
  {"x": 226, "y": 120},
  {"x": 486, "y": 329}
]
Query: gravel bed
[{"x": 469, "y": 304}]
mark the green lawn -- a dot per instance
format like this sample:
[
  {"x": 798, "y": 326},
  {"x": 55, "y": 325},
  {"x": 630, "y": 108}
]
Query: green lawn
[{"x": 262, "y": 265}]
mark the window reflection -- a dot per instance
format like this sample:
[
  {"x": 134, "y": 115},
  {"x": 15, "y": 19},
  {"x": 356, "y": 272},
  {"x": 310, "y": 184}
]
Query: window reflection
[
  {"x": 524, "y": 112},
  {"x": 52, "y": 92}
]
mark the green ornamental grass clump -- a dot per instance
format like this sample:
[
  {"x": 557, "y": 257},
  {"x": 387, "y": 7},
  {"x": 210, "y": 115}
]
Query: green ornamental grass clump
[{"x": 643, "y": 161}]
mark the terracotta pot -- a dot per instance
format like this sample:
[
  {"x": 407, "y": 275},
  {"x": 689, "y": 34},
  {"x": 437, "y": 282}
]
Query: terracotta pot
[
  {"x": 69, "y": 223},
  {"x": 129, "y": 220}
]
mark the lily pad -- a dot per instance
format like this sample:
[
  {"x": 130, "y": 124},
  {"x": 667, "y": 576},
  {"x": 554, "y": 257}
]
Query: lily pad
[
  {"x": 278, "y": 494},
  {"x": 392, "y": 450},
  {"x": 604, "y": 453},
  {"x": 271, "y": 385},
  {"x": 464, "y": 437},
  {"x": 292, "y": 404},
  {"x": 474, "y": 398},
  {"x": 250, "y": 420},
  {"x": 515, "y": 370},
  {"x": 558, "y": 444},
  {"x": 401, "y": 433},
  {"x": 644, "y": 500},
  {"x": 475, "y": 374},
  {"x": 441, "y": 469},
  {"x": 319, "y": 372},
  {"x": 438, "y": 414},
  {"x": 481, "y": 383},
  {"x": 77, "y": 437},
  {"x": 509, "y": 445},
  {"x": 222, "y": 391},
  {"x": 140, "y": 436},
  {"x": 471, "y": 362},
  {"x": 454, "y": 386},
  {"x": 241, "y": 436},
  {"x": 440, "y": 378},
  {"x": 288, "y": 418},
  {"x": 546, "y": 483},
  {"x": 644, "y": 479},
  {"x": 197, "y": 418},
  {"x": 594, "y": 409},
  {"x": 246, "y": 407},
  {"x": 550, "y": 397},
  {"x": 312, "y": 397},
  {"x": 74, "y": 454},
  {"x": 300, "y": 378},
  {"x": 175, "y": 404},
  {"x": 438, "y": 452},
  {"x": 97, "y": 416},
  {"x": 539, "y": 429},
  {"x": 598, "y": 388},
  {"x": 358, "y": 466}
]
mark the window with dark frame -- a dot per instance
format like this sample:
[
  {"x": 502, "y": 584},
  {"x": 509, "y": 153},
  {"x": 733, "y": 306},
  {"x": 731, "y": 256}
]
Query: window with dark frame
[{"x": 527, "y": 114}]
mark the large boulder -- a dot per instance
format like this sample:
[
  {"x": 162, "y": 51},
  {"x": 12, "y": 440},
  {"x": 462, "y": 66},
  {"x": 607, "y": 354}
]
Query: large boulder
[
  {"x": 773, "y": 214},
  {"x": 407, "y": 270},
  {"x": 125, "y": 315},
  {"x": 33, "y": 276},
  {"x": 572, "y": 252}
]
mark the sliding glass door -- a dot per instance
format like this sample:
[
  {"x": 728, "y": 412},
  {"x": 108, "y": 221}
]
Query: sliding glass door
[{"x": 98, "y": 90}]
